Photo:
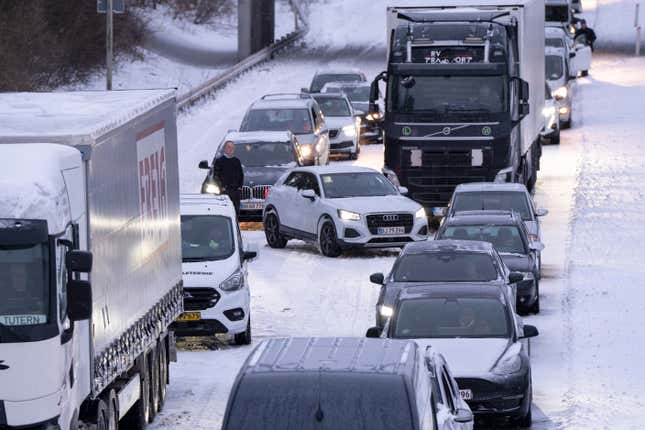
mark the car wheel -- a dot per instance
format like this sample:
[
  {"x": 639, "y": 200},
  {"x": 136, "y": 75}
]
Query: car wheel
[
  {"x": 328, "y": 241},
  {"x": 353, "y": 156},
  {"x": 555, "y": 140},
  {"x": 535, "y": 307},
  {"x": 244, "y": 338},
  {"x": 272, "y": 232},
  {"x": 565, "y": 124},
  {"x": 585, "y": 73}
]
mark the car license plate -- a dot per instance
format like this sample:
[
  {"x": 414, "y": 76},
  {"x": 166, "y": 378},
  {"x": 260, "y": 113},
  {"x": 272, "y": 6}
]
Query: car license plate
[
  {"x": 466, "y": 394},
  {"x": 253, "y": 205},
  {"x": 439, "y": 211},
  {"x": 190, "y": 316},
  {"x": 390, "y": 230}
]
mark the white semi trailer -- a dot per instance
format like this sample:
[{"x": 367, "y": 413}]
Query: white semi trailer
[{"x": 90, "y": 257}]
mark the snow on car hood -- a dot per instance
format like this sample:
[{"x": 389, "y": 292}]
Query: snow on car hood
[
  {"x": 379, "y": 204},
  {"x": 335, "y": 122},
  {"x": 459, "y": 353},
  {"x": 517, "y": 263},
  {"x": 209, "y": 273}
]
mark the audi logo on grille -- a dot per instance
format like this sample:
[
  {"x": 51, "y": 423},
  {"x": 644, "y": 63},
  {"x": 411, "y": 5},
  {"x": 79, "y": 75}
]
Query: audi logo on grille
[{"x": 390, "y": 218}]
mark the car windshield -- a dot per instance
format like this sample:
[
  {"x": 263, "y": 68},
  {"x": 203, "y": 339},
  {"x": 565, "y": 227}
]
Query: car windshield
[
  {"x": 445, "y": 267},
  {"x": 556, "y": 13},
  {"x": 259, "y": 154},
  {"x": 450, "y": 317},
  {"x": 493, "y": 200},
  {"x": 206, "y": 238},
  {"x": 447, "y": 94},
  {"x": 347, "y": 401},
  {"x": 554, "y": 67},
  {"x": 319, "y": 81},
  {"x": 357, "y": 94},
  {"x": 363, "y": 184},
  {"x": 297, "y": 121},
  {"x": 505, "y": 238},
  {"x": 24, "y": 284},
  {"x": 554, "y": 42},
  {"x": 333, "y": 106}
]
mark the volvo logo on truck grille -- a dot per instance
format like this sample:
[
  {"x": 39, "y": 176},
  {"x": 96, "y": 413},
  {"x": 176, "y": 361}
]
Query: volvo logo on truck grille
[
  {"x": 446, "y": 131},
  {"x": 390, "y": 218}
]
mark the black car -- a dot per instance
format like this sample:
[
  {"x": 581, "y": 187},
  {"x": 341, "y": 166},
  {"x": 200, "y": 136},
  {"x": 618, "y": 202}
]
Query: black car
[
  {"x": 476, "y": 329},
  {"x": 507, "y": 233},
  {"x": 342, "y": 384},
  {"x": 265, "y": 157},
  {"x": 454, "y": 261}
]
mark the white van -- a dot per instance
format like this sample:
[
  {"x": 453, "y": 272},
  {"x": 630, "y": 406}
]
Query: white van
[{"x": 216, "y": 290}]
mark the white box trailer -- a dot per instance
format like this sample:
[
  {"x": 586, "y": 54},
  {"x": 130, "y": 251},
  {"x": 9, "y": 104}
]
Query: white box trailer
[{"x": 87, "y": 173}]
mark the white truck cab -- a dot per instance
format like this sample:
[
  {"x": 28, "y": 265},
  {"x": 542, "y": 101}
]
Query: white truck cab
[{"x": 216, "y": 290}]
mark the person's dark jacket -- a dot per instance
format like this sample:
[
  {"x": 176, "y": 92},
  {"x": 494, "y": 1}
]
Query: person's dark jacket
[
  {"x": 589, "y": 34},
  {"x": 229, "y": 172}
]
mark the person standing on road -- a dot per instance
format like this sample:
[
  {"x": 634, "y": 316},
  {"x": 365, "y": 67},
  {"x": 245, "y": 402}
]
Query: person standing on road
[
  {"x": 228, "y": 169},
  {"x": 589, "y": 34}
]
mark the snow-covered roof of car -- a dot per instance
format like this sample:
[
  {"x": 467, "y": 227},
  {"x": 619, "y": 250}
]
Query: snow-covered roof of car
[
  {"x": 448, "y": 245},
  {"x": 79, "y": 115},
  {"x": 206, "y": 204},
  {"x": 336, "y": 168},
  {"x": 333, "y": 354},
  {"x": 490, "y": 186},
  {"x": 330, "y": 96},
  {"x": 551, "y": 50},
  {"x": 285, "y": 103},
  {"x": 347, "y": 71},
  {"x": 258, "y": 136},
  {"x": 348, "y": 84},
  {"x": 491, "y": 217},
  {"x": 448, "y": 290},
  {"x": 551, "y": 30}
]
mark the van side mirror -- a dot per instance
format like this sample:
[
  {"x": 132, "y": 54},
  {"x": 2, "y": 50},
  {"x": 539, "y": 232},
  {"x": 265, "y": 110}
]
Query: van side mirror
[
  {"x": 536, "y": 246},
  {"x": 204, "y": 165},
  {"x": 541, "y": 212},
  {"x": 78, "y": 261},
  {"x": 79, "y": 300},
  {"x": 515, "y": 277},
  {"x": 249, "y": 255},
  {"x": 529, "y": 331},
  {"x": 304, "y": 90},
  {"x": 463, "y": 416},
  {"x": 374, "y": 332},
  {"x": 572, "y": 54},
  {"x": 403, "y": 190},
  {"x": 377, "y": 278}
]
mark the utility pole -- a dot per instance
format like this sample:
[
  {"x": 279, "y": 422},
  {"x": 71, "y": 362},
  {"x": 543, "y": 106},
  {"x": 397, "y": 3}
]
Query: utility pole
[
  {"x": 109, "y": 44},
  {"x": 638, "y": 29}
]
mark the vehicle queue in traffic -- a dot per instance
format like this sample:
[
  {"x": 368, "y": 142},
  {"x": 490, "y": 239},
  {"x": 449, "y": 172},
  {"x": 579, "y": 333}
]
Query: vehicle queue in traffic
[{"x": 449, "y": 306}]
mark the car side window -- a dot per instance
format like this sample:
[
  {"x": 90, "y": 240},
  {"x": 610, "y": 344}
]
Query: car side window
[
  {"x": 294, "y": 180},
  {"x": 311, "y": 183},
  {"x": 315, "y": 117}
]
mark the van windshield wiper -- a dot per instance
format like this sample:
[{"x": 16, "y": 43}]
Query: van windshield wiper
[{"x": 9, "y": 329}]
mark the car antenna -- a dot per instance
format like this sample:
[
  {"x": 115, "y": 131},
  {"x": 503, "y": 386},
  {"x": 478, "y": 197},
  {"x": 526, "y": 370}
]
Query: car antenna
[{"x": 319, "y": 415}]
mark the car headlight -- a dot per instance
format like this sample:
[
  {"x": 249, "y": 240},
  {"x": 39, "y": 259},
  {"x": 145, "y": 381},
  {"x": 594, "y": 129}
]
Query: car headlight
[
  {"x": 374, "y": 116},
  {"x": 349, "y": 130},
  {"x": 348, "y": 216},
  {"x": 510, "y": 363},
  {"x": 386, "y": 311},
  {"x": 561, "y": 93},
  {"x": 421, "y": 213},
  {"x": 233, "y": 282},
  {"x": 548, "y": 111},
  {"x": 306, "y": 150},
  {"x": 212, "y": 189},
  {"x": 564, "y": 110}
]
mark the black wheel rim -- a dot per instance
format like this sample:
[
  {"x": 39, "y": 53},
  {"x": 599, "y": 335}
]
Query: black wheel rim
[
  {"x": 271, "y": 229},
  {"x": 327, "y": 239}
]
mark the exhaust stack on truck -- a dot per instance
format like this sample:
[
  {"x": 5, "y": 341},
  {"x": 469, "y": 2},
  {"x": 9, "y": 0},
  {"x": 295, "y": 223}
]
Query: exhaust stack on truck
[
  {"x": 465, "y": 91},
  {"x": 90, "y": 257}
]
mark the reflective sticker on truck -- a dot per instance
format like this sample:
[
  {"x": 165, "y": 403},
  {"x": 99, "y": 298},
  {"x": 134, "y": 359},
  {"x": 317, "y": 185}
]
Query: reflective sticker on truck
[{"x": 151, "y": 157}]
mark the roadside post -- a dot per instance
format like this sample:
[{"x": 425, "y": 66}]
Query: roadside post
[
  {"x": 638, "y": 29},
  {"x": 109, "y": 8}
]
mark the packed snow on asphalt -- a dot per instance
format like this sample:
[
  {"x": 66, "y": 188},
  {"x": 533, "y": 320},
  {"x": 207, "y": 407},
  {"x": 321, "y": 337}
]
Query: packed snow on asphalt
[{"x": 587, "y": 361}]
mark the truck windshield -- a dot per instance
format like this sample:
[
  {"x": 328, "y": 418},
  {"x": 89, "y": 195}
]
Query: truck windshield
[
  {"x": 493, "y": 200},
  {"x": 554, "y": 67},
  {"x": 332, "y": 106},
  {"x": 343, "y": 185},
  {"x": 451, "y": 317},
  {"x": 446, "y": 267},
  {"x": 346, "y": 401},
  {"x": 260, "y": 154},
  {"x": 206, "y": 238},
  {"x": 448, "y": 94},
  {"x": 556, "y": 13},
  {"x": 24, "y": 285},
  {"x": 505, "y": 238},
  {"x": 295, "y": 120}
]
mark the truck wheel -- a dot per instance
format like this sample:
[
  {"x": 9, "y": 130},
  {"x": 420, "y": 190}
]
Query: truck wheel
[
  {"x": 102, "y": 417},
  {"x": 244, "y": 338},
  {"x": 106, "y": 415},
  {"x": 328, "y": 240},
  {"x": 153, "y": 369},
  {"x": 163, "y": 373},
  {"x": 272, "y": 232},
  {"x": 138, "y": 416}
]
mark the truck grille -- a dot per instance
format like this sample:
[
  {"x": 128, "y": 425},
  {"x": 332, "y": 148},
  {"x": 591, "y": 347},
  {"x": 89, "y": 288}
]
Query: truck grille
[
  {"x": 453, "y": 158},
  {"x": 390, "y": 220},
  {"x": 333, "y": 133},
  {"x": 199, "y": 299},
  {"x": 255, "y": 192}
]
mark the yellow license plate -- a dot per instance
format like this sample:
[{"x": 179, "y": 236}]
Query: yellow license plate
[{"x": 190, "y": 316}]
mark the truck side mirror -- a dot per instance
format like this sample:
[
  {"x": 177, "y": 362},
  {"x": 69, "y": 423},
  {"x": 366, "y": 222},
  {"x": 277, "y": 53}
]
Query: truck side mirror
[
  {"x": 204, "y": 165},
  {"x": 78, "y": 261},
  {"x": 79, "y": 300}
]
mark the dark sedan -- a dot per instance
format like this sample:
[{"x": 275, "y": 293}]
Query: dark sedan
[
  {"x": 453, "y": 261},
  {"x": 476, "y": 329},
  {"x": 507, "y": 233}
]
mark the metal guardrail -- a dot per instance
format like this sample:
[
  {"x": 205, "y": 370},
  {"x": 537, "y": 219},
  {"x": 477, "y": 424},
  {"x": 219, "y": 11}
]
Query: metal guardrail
[{"x": 194, "y": 94}]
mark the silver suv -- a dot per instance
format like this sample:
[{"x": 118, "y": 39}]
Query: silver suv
[{"x": 298, "y": 113}]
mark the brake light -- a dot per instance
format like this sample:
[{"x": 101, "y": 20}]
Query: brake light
[{"x": 266, "y": 192}]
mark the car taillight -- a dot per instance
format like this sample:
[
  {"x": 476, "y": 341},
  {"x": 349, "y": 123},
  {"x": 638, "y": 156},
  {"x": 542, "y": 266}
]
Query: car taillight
[{"x": 266, "y": 192}]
